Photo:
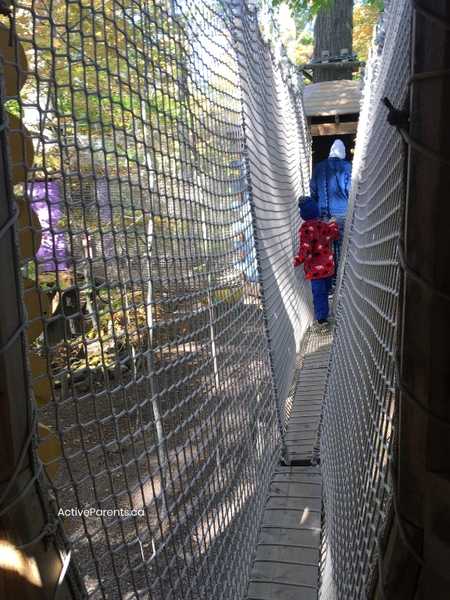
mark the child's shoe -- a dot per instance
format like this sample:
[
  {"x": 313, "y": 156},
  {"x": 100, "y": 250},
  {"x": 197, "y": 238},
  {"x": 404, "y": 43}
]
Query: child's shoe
[{"x": 321, "y": 326}]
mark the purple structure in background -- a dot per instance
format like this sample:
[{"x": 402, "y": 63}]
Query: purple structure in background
[{"x": 45, "y": 198}]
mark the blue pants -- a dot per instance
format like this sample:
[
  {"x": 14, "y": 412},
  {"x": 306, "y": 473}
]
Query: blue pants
[{"x": 320, "y": 290}]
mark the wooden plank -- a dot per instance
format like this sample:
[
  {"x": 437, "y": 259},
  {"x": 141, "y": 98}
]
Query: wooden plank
[
  {"x": 292, "y": 537},
  {"x": 270, "y": 591},
  {"x": 334, "y": 129},
  {"x": 282, "y": 553},
  {"x": 297, "y": 502},
  {"x": 297, "y": 573}
]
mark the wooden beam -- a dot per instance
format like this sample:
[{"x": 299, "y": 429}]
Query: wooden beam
[
  {"x": 424, "y": 440},
  {"x": 334, "y": 129},
  {"x": 354, "y": 64}
]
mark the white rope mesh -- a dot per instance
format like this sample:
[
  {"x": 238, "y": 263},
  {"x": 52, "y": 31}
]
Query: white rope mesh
[{"x": 358, "y": 417}]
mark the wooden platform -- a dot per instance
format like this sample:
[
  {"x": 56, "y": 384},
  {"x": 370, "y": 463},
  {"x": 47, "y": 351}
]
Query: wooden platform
[{"x": 287, "y": 559}]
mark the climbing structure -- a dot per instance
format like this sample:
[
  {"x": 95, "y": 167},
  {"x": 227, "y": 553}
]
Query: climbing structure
[{"x": 154, "y": 438}]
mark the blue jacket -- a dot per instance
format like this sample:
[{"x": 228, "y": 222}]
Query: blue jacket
[{"x": 330, "y": 186}]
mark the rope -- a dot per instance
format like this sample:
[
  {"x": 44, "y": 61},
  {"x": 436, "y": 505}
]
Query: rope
[
  {"x": 14, "y": 336},
  {"x": 49, "y": 530},
  {"x": 359, "y": 406},
  {"x": 10, "y": 222},
  {"x": 25, "y": 448}
]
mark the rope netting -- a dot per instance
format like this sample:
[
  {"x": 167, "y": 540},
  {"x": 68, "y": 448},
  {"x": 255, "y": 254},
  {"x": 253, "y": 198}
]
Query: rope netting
[
  {"x": 158, "y": 150},
  {"x": 359, "y": 426},
  {"x": 279, "y": 158}
]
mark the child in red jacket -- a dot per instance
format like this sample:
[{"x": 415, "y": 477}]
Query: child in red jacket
[{"x": 316, "y": 253}]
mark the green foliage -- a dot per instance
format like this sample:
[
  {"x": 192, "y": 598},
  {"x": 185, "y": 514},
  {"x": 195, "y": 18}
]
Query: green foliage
[
  {"x": 228, "y": 295},
  {"x": 305, "y": 10},
  {"x": 365, "y": 18},
  {"x": 93, "y": 92}
]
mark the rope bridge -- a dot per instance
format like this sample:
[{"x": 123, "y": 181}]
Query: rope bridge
[{"x": 156, "y": 152}]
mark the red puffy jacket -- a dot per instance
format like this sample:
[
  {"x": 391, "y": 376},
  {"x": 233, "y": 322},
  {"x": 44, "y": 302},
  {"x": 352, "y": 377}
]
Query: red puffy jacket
[{"x": 315, "y": 249}]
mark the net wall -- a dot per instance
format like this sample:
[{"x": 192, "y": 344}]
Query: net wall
[
  {"x": 359, "y": 408},
  {"x": 278, "y": 144},
  {"x": 151, "y": 140}
]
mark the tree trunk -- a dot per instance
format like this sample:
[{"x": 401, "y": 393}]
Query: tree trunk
[{"x": 333, "y": 32}]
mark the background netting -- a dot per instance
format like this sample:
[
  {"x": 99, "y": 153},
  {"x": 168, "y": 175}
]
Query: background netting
[
  {"x": 157, "y": 141},
  {"x": 358, "y": 416}
]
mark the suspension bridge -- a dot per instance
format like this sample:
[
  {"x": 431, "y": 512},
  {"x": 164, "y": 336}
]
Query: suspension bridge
[{"x": 172, "y": 426}]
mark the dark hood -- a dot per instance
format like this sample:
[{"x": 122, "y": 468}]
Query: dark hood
[{"x": 309, "y": 209}]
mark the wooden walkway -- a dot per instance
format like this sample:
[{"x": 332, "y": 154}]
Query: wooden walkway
[{"x": 287, "y": 559}]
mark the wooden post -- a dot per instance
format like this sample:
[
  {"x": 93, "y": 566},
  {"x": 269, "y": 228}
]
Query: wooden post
[
  {"x": 425, "y": 440},
  {"x": 28, "y": 570},
  {"x": 419, "y": 568}
]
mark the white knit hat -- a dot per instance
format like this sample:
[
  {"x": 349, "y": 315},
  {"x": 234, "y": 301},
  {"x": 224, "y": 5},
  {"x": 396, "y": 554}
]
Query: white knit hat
[{"x": 337, "y": 149}]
